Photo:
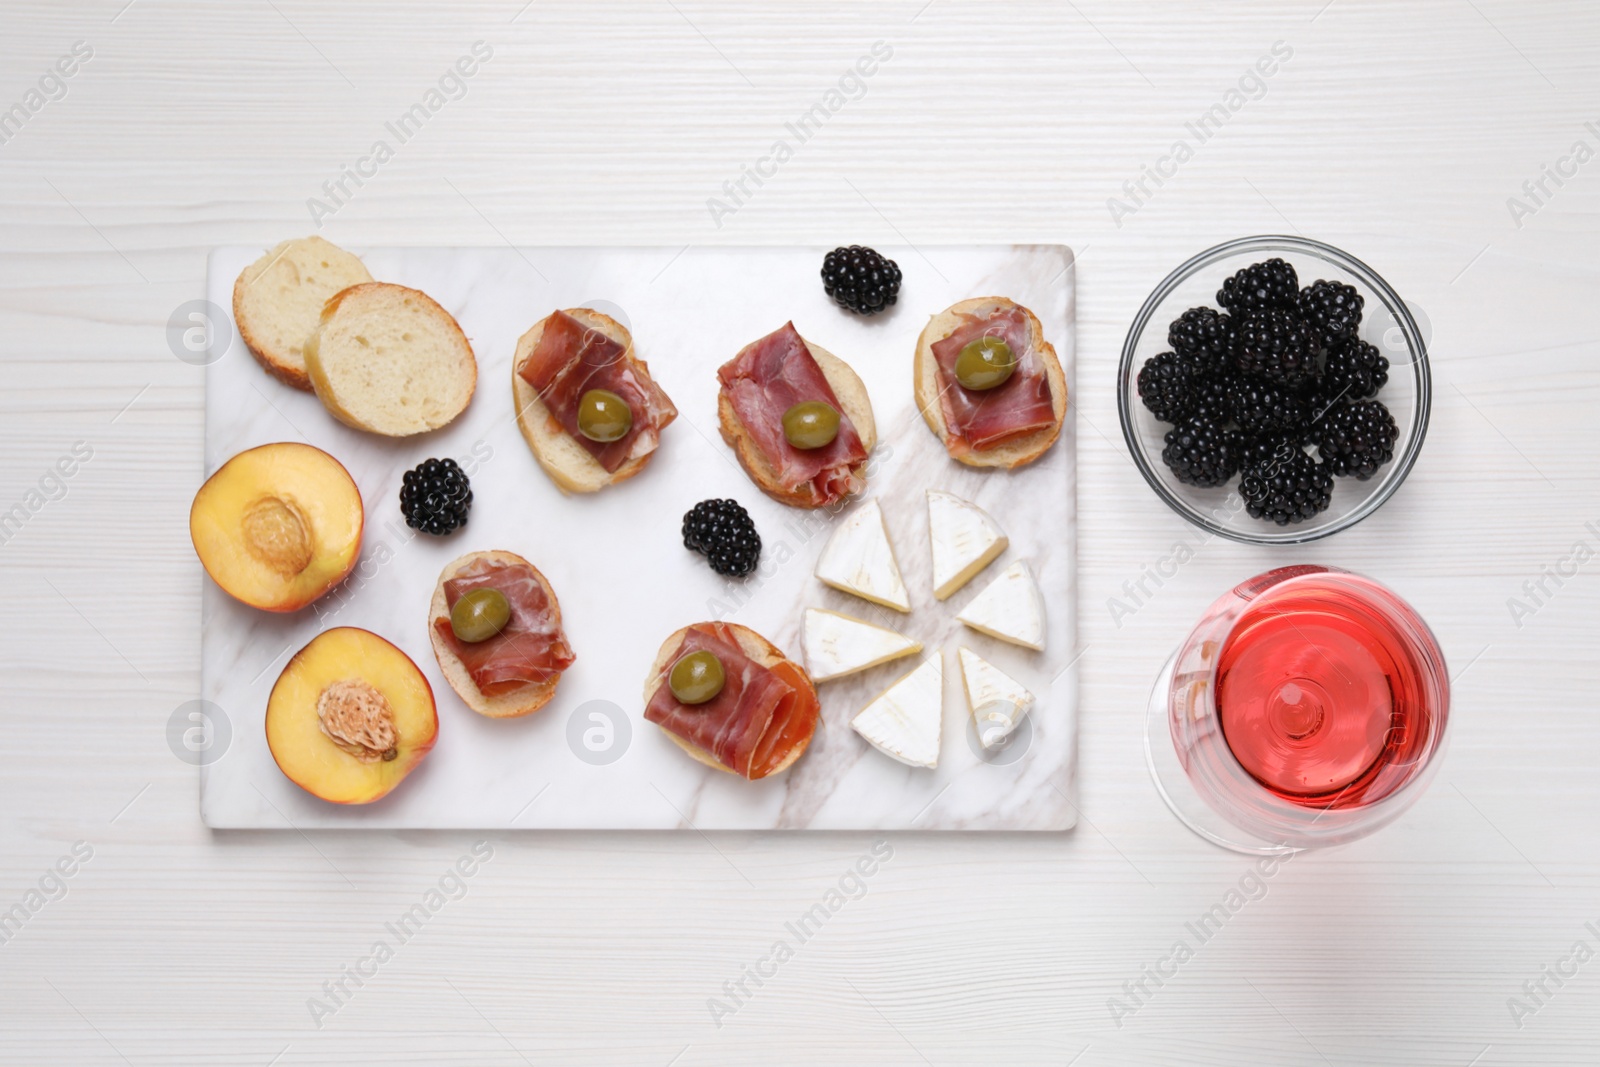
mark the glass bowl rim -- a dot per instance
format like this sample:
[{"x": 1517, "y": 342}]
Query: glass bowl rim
[{"x": 1350, "y": 264}]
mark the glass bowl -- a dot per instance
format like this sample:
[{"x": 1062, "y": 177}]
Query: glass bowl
[{"x": 1386, "y": 322}]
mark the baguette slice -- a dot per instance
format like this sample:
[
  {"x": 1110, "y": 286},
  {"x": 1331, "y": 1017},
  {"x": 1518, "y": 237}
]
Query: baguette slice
[
  {"x": 390, "y": 360},
  {"x": 1008, "y": 454},
  {"x": 566, "y": 461},
  {"x": 278, "y": 298},
  {"x": 755, "y": 646},
  {"x": 525, "y": 701},
  {"x": 852, "y": 394}
]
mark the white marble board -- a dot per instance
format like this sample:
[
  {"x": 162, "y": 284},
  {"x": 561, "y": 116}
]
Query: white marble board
[{"x": 624, "y": 579}]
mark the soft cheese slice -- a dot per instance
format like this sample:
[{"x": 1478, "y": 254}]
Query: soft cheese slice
[
  {"x": 858, "y": 559},
  {"x": 962, "y": 539},
  {"x": 998, "y": 701},
  {"x": 1010, "y": 608},
  {"x": 836, "y": 645},
  {"x": 907, "y": 721}
]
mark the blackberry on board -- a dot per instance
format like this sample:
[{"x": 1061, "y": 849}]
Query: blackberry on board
[
  {"x": 435, "y": 496},
  {"x": 1202, "y": 453},
  {"x": 723, "y": 532},
  {"x": 1167, "y": 384},
  {"x": 1333, "y": 309},
  {"x": 860, "y": 280},
  {"x": 1273, "y": 345},
  {"x": 1354, "y": 370},
  {"x": 1204, "y": 334},
  {"x": 1357, "y": 438},
  {"x": 1287, "y": 486},
  {"x": 1271, "y": 284}
]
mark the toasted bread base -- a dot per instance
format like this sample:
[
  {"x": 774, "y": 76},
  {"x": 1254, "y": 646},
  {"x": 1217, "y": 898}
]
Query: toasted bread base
[
  {"x": 755, "y": 646},
  {"x": 524, "y": 701},
  {"x": 387, "y": 392},
  {"x": 852, "y": 394},
  {"x": 567, "y": 462},
  {"x": 925, "y": 374},
  {"x": 278, "y": 298}
]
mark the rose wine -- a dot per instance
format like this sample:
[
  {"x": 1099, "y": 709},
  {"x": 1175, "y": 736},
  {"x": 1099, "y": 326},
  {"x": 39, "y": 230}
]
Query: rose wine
[{"x": 1323, "y": 693}]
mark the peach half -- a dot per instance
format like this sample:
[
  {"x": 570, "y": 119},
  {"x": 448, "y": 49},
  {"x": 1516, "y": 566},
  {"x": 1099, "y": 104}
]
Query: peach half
[
  {"x": 350, "y": 717},
  {"x": 278, "y": 525}
]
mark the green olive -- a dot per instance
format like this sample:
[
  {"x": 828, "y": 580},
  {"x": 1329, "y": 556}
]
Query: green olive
[
  {"x": 603, "y": 416},
  {"x": 480, "y": 614},
  {"x": 811, "y": 424},
  {"x": 696, "y": 678},
  {"x": 985, "y": 364}
]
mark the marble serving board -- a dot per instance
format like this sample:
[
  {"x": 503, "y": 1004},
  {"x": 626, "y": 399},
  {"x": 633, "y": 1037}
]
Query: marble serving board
[{"x": 588, "y": 760}]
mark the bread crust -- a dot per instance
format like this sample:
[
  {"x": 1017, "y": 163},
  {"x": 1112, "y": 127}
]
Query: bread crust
[
  {"x": 759, "y": 649},
  {"x": 330, "y": 310},
  {"x": 524, "y": 701},
  {"x": 284, "y": 366},
  {"x": 853, "y": 398},
  {"x": 569, "y": 464},
  {"x": 925, "y": 376}
]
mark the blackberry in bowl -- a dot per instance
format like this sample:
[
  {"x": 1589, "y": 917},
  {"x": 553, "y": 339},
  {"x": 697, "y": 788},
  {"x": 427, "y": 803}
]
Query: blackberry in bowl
[{"x": 1318, "y": 412}]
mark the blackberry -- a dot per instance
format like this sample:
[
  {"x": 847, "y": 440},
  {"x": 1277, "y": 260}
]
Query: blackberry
[
  {"x": 1201, "y": 452},
  {"x": 1273, "y": 345},
  {"x": 435, "y": 497},
  {"x": 1287, "y": 486},
  {"x": 1262, "y": 447},
  {"x": 1357, "y": 438},
  {"x": 1264, "y": 408},
  {"x": 1213, "y": 398},
  {"x": 1167, "y": 384},
  {"x": 860, "y": 280},
  {"x": 1333, "y": 309},
  {"x": 1354, "y": 370},
  {"x": 1272, "y": 284},
  {"x": 1205, "y": 335},
  {"x": 722, "y": 531}
]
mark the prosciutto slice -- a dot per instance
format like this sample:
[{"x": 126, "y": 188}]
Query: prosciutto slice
[
  {"x": 985, "y": 418},
  {"x": 569, "y": 360},
  {"x": 530, "y": 649},
  {"x": 757, "y": 719},
  {"x": 766, "y": 379}
]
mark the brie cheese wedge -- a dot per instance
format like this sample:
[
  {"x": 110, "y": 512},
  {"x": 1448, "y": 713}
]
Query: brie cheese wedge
[
  {"x": 859, "y": 560},
  {"x": 998, "y": 701},
  {"x": 907, "y": 721},
  {"x": 962, "y": 539},
  {"x": 836, "y": 645},
  {"x": 1009, "y": 608}
]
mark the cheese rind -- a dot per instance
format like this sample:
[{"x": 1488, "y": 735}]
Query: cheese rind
[
  {"x": 962, "y": 540},
  {"x": 906, "y": 722},
  {"x": 1009, "y": 608},
  {"x": 858, "y": 559},
  {"x": 836, "y": 645}
]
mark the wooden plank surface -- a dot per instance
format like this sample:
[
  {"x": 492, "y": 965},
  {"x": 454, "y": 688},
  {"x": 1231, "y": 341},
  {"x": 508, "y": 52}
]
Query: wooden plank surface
[{"x": 1396, "y": 131}]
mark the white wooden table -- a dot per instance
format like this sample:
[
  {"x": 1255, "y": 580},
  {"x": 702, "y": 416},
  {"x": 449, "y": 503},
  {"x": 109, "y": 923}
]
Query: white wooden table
[{"x": 1398, "y": 133}]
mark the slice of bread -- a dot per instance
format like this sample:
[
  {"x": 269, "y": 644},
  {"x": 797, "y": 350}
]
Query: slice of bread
[
  {"x": 524, "y": 701},
  {"x": 278, "y": 299},
  {"x": 852, "y": 394},
  {"x": 566, "y": 461},
  {"x": 925, "y": 375},
  {"x": 759, "y": 649},
  {"x": 390, "y": 360}
]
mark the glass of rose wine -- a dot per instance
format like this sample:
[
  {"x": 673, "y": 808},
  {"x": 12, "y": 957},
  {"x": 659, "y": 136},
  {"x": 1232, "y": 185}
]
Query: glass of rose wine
[{"x": 1306, "y": 708}]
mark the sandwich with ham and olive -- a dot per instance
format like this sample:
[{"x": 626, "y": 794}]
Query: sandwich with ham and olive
[
  {"x": 495, "y": 624},
  {"x": 988, "y": 383},
  {"x": 586, "y": 404},
  {"x": 729, "y": 698},
  {"x": 798, "y": 418}
]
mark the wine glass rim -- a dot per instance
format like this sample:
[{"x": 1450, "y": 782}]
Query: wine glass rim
[{"x": 1399, "y": 468}]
